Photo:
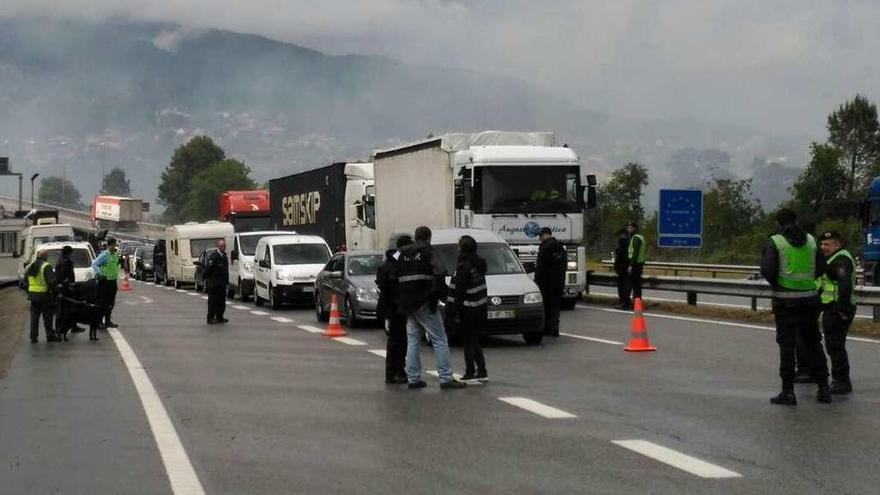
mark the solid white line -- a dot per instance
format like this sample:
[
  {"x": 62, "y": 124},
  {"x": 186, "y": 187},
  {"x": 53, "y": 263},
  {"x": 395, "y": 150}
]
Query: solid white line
[
  {"x": 192, "y": 293},
  {"x": 281, "y": 319},
  {"x": 536, "y": 407},
  {"x": 678, "y": 460},
  {"x": 239, "y": 306},
  {"x": 180, "y": 290},
  {"x": 205, "y": 298},
  {"x": 349, "y": 341},
  {"x": 591, "y": 339},
  {"x": 259, "y": 313},
  {"x": 311, "y": 329},
  {"x": 379, "y": 352},
  {"x": 181, "y": 475}
]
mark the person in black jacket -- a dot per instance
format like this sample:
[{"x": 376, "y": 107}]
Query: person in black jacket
[
  {"x": 621, "y": 268},
  {"x": 466, "y": 306},
  {"x": 395, "y": 320},
  {"x": 65, "y": 277},
  {"x": 216, "y": 279},
  {"x": 550, "y": 278}
]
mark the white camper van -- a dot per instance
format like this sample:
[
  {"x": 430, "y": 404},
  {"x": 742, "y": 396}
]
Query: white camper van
[
  {"x": 184, "y": 243},
  {"x": 286, "y": 268}
]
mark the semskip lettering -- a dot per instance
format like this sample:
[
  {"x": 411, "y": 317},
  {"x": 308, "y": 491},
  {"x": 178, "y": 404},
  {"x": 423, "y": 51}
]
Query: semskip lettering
[{"x": 300, "y": 209}]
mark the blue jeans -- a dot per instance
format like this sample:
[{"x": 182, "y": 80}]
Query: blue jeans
[{"x": 424, "y": 320}]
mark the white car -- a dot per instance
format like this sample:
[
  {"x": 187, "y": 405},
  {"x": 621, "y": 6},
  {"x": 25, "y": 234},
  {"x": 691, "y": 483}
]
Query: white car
[
  {"x": 286, "y": 268},
  {"x": 82, "y": 257},
  {"x": 241, "y": 261}
]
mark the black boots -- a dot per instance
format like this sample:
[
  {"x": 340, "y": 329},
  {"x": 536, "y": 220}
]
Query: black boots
[
  {"x": 93, "y": 333},
  {"x": 785, "y": 398},
  {"x": 824, "y": 394},
  {"x": 840, "y": 387}
]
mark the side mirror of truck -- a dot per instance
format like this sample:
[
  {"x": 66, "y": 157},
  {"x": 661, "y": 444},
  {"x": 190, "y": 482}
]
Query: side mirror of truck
[
  {"x": 264, "y": 263},
  {"x": 589, "y": 192},
  {"x": 233, "y": 255}
]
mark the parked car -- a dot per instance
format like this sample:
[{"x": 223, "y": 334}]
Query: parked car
[
  {"x": 126, "y": 251},
  {"x": 200, "y": 269},
  {"x": 352, "y": 277},
  {"x": 143, "y": 263},
  {"x": 287, "y": 267}
]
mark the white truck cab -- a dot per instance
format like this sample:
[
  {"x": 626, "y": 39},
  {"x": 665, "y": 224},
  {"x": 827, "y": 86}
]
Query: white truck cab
[
  {"x": 241, "y": 261},
  {"x": 286, "y": 268}
]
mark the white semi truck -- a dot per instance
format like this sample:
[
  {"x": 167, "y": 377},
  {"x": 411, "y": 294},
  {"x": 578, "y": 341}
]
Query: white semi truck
[{"x": 512, "y": 183}]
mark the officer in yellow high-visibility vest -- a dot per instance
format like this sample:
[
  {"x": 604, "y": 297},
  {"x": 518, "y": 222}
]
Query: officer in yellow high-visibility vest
[
  {"x": 838, "y": 307},
  {"x": 791, "y": 263},
  {"x": 40, "y": 288}
]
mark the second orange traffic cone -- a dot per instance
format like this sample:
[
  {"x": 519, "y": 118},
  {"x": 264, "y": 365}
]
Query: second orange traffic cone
[
  {"x": 638, "y": 340},
  {"x": 125, "y": 284},
  {"x": 334, "y": 327}
]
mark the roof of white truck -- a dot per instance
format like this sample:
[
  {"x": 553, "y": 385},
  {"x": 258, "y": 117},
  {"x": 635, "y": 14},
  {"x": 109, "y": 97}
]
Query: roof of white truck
[
  {"x": 516, "y": 155},
  {"x": 292, "y": 239},
  {"x": 196, "y": 230}
]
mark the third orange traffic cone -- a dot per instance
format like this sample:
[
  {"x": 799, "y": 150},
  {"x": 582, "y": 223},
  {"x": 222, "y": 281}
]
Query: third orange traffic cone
[
  {"x": 638, "y": 340},
  {"x": 125, "y": 284},
  {"x": 334, "y": 327}
]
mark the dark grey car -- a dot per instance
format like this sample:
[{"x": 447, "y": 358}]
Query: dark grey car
[{"x": 352, "y": 277}]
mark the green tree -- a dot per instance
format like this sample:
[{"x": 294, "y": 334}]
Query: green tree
[
  {"x": 60, "y": 192},
  {"x": 188, "y": 161},
  {"x": 823, "y": 184},
  {"x": 115, "y": 183},
  {"x": 855, "y": 131},
  {"x": 202, "y": 199},
  {"x": 618, "y": 202},
  {"x": 730, "y": 211}
]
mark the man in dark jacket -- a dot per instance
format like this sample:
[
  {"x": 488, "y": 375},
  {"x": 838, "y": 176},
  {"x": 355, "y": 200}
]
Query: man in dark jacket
[
  {"x": 216, "y": 279},
  {"x": 395, "y": 320},
  {"x": 550, "y": 278},
  {"x": 420, "y": 287},
  {"x": 621, "y": 268},
  {"x": 41, "y": 287},
  {"x": 466, "y": 306},
  {"x": 791, "y": 262},
  {"x": 65, "y": 277},
  {"x": 636, "y": 255},
  {"x": 838, "y": 307}
]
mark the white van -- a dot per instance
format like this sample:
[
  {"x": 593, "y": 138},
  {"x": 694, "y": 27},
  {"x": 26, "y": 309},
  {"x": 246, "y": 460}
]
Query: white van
[
  {"x": 241, "y": 261},
  {"x": 184, "y": 243},
  {"x": 34, "y": 236},
  {"x": 82, "y": 256},
  {"x": 286, "y": 268}
]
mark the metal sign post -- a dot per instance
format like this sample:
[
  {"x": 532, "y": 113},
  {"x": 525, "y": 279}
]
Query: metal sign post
[
  {"x": 680, "y": 218},
  {"x": 4, "y": 170}
]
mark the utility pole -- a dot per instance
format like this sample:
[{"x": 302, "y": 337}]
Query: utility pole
[{"x": 33, "y": 178}]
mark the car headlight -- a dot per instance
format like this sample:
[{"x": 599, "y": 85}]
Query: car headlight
[
  {"x": 533, "y": 298},
  {"x": 283, "y": 275},
  {"x": 367, "y": 294},
  {"x": 572, "y": 265}
]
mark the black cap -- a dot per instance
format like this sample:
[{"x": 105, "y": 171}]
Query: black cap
[
  {"x": 545, "y": 230},
  {"x": 111, "y": 241},
  {"x": 404, "y": 240},
  {"x": 829, "y": 235}
]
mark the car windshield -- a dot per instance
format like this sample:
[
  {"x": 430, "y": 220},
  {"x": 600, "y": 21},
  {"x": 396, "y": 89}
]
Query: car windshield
[
  {"x": 248, "y": 243},
  {"x": 146, "y": 255},
  {"x": 81, "y": 257},
  {"x": 300, "y": 254},
  {"x": 196, "y": 246},
  {"x": 500, "y": 260},
  {"x": 527, "y": 189},
  {"x": 364, "y": 265}
]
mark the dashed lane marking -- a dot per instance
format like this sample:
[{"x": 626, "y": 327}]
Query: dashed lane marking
[
  {"x": 591, "y": 339},
  {"x": 281, "y": 319},
  {"x": 676, "y": 459},
  {"x": 259, "y": 313},
  {"x": 205, "y": 298},
  {"x": 239, "y": 306},
  {"x": 379, "y": 352},
  {"x": 536, "y": 407},
  {"x": 349, "y": 341},
  {"x": 192, "y": 293},
  {"x": 310, "y": 329},
  {"x": 181, "y": 475}
]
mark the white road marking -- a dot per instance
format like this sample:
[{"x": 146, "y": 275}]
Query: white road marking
[
  {"x": 379, "y": 352},
  {"x": 591, "y": 339},
  {"x": 436, "y": 374},
  {"x": 192, "y": 293},
  {"x": 349, "y": 341},
  {"x": 536, "y": 407},
  {"x": 259, "y": 313},
  {"x": 311, "y": 329},
  {"x": 181, "y": 475},
  {"x": 676, "y": 459},
  {"x": 239, "y": 306},
  {"x": 146, "y": 300},
  {"x": 205, "y": 298},
  {"x": 281, "y": 319}
]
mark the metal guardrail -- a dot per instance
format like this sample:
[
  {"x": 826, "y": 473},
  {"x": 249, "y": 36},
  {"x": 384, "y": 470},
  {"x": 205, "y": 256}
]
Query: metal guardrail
[
  {"x": 753, "y": 289},
  {"x": 675, "y": 268}
]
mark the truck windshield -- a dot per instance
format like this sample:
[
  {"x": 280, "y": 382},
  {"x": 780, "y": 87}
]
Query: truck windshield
[
  {"x": 300, "y": 254},
  {"x": 248, "y": 243},
  {"x": 81, "y": 257},
  {"x": 500, "y": 260},
  {"x": 51, "y": 238},
  {"x": 196, "y": 246},
  {"x": 527, "y": 189}
]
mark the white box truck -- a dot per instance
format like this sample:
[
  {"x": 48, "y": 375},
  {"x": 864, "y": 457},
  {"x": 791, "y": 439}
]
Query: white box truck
[{"x": 511, "y": 183}]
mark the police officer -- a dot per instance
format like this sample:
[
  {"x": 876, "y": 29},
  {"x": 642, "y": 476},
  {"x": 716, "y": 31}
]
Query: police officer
[
  {"x": 216, "y": 280},
  {"x": 550, "y": 278},
  {"x": 106, "y": 268},
  {"x": 420, "y": 287},
  {"x": 40, "y": 287},
  {"x": 791, "y": 263},
  {"x": 66, "y": 277},
  {"x": 395, "y": 320},
  {"x": 838, "y": 307},
  {"x": 636, "y": 255},
  {"x": 621, "y": 268},
  {"x": 466, "y": 305}
]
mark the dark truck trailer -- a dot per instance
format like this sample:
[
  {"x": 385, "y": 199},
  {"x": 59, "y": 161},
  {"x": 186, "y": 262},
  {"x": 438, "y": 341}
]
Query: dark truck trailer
[{"x": 311, "y": 203}]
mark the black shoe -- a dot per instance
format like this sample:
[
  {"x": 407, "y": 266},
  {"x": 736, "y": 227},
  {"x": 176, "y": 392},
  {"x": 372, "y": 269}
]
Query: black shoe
[
  {"x": 785, "y": 398},
  {"x": 468, "y": 377},
  {"x": 840, "y": 387},
  {"x": 93, "y": 339},
  {"x": 212, "y": 322},
  {"x": 222, "y": 320},
  {"x": 396, "y": 380},
  {"x": 418, "y": 384},
  {"x": 78, "y": 330},
  {"x": 483, "y": 376},
  {"x": 452, "y": 384},
  {"x": 804, "y": 377},
  {"x": 112, "y": 325},
  {"x": 824, "y": 394},
  {"x": 102, "y": 326}
]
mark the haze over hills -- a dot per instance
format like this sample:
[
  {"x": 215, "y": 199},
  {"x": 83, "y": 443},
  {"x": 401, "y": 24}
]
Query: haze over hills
[{"x": 86, "y": 96}]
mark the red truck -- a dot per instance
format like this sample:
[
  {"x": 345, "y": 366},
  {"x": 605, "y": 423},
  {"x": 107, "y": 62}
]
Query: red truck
[{"x": 247, "y": 211}]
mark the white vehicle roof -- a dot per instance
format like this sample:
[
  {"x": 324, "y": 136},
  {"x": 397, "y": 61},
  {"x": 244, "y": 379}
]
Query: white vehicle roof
[
  {"x": 205, "y": 230},
  {"x": 58, "y": 245},
  {"x": 516, "y": 155},
  {"x": 265, "y": 232},
  {"x": 292, "y": 239},
  {"x": 49, "y": 226},
  {"x": 363, "y": 170}
]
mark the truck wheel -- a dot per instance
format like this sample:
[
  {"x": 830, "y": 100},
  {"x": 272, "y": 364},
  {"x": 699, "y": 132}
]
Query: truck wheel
[
  {"x": 533, "y": 338},
  {"x": 273, "y": 301},
  {"x": 569, "y": 304}
]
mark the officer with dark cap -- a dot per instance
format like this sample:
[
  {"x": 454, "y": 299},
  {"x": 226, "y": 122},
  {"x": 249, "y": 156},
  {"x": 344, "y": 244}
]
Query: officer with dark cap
[
  {"x": 838, "y": 307},
  {"x": 550, "y": 278},
  {"x": 791, "y": 263}
]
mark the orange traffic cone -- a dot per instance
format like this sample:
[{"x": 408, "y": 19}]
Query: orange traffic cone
[
  {"x": 125, "y": 284},
  {"x": 334, "y": 328},
  {"x": 638, "y": 340}
]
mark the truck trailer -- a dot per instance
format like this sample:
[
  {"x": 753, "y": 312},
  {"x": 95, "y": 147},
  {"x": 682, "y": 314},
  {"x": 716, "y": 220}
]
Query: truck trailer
[
  {"x": 336, "y": 202},
  {"x": 116, "y": 212},
  {"x": 511, "y": 183}
]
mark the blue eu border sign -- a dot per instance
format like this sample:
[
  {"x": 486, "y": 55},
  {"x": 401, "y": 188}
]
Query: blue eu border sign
[{"x": 680, "y": 218}]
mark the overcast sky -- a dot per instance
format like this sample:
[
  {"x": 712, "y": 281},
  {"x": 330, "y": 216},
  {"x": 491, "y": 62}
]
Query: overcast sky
[{"x": 778, "y": 65}]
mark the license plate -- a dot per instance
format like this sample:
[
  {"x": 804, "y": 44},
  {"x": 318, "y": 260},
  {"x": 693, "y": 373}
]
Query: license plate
[
  {"x": 308, "y": 289},
  {"x": 502, "y": 315}
]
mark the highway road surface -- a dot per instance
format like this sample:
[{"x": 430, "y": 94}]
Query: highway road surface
[{"x": 265, "y": 404}]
